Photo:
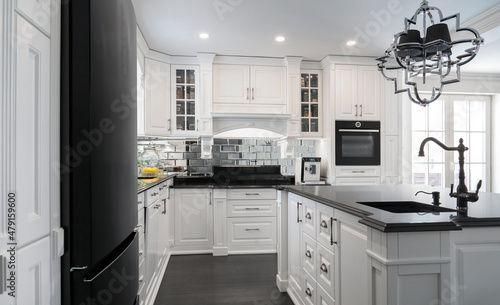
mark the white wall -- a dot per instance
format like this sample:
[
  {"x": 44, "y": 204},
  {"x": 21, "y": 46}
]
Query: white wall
[{"x": 495, "y": 144}]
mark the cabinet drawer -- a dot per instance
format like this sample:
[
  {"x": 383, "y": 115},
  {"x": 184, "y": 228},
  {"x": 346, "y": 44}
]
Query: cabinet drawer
[
  {"x": 325, "y": 271},
  {"x": 140, "y": 222},
  {"x": 326, "y": 226},
  {"x": 142, "y": 251},
  {"x": 142, "y": 283},
  {"x": 251, "y": 194},
  {"x": 308, "y": 293},
  {"x": 251, "y": 208},
  {"x": 308, "y": 254},
  {"x": 140, "y": 201},
  {"x": 251, "y": 231},
  {"x": 152, "y": 195},
  {"x": 309, "y": 218},
  {"x": 357, "y": 171},
  {"x": 322, "y": 297}
]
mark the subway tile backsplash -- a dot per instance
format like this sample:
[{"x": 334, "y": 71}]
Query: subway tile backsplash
[{"x": 235, "y": 152}]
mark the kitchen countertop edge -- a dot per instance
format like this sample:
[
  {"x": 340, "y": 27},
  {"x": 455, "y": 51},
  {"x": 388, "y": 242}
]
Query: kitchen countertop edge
[{"x": 153, "y": 184}]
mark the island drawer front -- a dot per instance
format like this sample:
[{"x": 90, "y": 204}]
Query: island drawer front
[
  {"x": 251, "y": 231},
  {"x": 247, "y": 208},
  {"x": 269, "y": 193},
  {"x": 308, "y": 289},
  {"x": 325, "y": 272},
  {"x": 308, "y": 254},
  {"x": 326, "y": 226},
  {"x": 140, "y": 201}
]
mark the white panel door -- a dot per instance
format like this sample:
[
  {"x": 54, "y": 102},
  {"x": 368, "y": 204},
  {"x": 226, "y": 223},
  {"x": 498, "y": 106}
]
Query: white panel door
[
  {"x": 369, "y": 93},
  {"x": 33, "y": 166},
  {"x": 309, "y": 221},
  {"x": 163, "y": 233},
  {"x": 308, "y": 294},
  {"x": 231, "y": 84},
  {"x": 294, "y": 243},
  {"x": 193, "y": 217},
  {"x": 325, "y": 270},
  {"x": 268, "y": 85},
  {"x": 325, "y": 232},
  {"x": 157, "y": 98},
  {"x": 34, "y": 273},
  {"x": 346, "y": 90},
  {"x": 308, "y": 254}
]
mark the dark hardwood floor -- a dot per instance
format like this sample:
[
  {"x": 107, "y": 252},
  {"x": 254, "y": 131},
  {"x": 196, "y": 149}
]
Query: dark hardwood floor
[{"x": 221, "y": 280}]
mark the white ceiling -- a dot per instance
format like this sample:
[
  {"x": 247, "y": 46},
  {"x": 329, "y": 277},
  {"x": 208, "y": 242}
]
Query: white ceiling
[{"x": 312, "y": 28}]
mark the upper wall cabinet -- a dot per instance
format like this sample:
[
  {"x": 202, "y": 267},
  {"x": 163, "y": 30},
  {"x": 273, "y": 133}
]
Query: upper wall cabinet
[
  {"x": 310, "y": 103},
  {"x": 185, "y": 100},
  {"x": 357, "y": 92},
  {"x": 156, "y": 120},
  {"x": 240, "y": 88}
]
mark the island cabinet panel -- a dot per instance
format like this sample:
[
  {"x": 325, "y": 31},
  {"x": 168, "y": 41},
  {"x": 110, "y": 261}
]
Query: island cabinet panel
[
  {"x": 294, "y": 245},
  {"x": 475, "y": 268}
]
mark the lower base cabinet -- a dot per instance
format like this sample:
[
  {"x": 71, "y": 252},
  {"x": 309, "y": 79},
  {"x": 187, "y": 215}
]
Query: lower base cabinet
[{"x": 327, "y": 260}]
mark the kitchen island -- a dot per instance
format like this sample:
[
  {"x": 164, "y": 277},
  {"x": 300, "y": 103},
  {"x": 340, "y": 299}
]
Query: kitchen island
[{"x": 335, "y": 250}]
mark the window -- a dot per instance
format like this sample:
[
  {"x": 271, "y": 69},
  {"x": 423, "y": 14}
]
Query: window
[{"x": 448, "y": 119}]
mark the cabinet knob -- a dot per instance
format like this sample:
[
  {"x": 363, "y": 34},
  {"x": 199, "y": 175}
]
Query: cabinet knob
[
  {"x": 140, "y": 202},
  {"x": 308, "y": 292},
  {"x": 308, "y": 254},
  {"x": 308, "y": 216},
  {"x": 323, "y": 268},
  {"x": 324, "y": 224}
]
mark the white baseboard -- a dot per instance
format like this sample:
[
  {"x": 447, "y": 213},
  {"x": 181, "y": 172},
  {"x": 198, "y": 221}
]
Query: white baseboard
[{"x": 281, "y": 284}]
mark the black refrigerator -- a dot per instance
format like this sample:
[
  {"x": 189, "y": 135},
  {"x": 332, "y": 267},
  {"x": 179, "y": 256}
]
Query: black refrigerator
[{"x": 98, "y": 152}]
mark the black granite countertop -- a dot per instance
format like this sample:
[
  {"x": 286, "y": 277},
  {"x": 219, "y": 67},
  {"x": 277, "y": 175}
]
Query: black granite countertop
[
  {"x": 484, "y": 212},
  {"x": 145, "y": 184}
]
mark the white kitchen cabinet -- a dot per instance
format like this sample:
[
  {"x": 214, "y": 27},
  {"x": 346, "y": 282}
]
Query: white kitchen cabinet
[
  {"x": 157, "y": 109},
  {"x": 357, "y": 181},
  {"x": 193, "y": 220},
  {"x": 185, "y": 106},
  {"x": 357, "y": 92},
  {"x": 33, "y": 273},
  {"x": 294, "y": 245},
  {"x": 32, "y": 145},
  {"x": 239, "y": 88},
  {"x": 152, "y": 255},
  {"x": 311, "y": 106},
  {"x": 163, "y": 227}
]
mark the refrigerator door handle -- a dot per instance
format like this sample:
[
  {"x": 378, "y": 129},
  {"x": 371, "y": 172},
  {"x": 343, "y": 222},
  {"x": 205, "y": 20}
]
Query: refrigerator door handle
[{"x": 88, "y": 280}]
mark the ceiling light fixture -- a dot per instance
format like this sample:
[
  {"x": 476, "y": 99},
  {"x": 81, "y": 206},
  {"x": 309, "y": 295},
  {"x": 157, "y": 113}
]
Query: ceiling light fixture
[
  {"x": 428, "y": 56},
  {"x": 351, "y": 43},
  {"x": 204, "y": 35},
  {"x": 280, "y": 38}
]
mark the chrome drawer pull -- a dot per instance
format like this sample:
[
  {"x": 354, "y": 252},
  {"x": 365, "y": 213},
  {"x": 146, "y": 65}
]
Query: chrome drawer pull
[
  {"x": 154, "y": 194},
  {"x": 308, "y": 254},
  {"x": 331, "y": 231},
  {"x": 252, "y": 229},
  {"x": 358, "y": 172},
  {"x": 157, "y": 206},
  {"x": 298, "y": 212},
  {"x": 252, "y": 208},
  {"x": 323, "y": 268},
  {"x": 140, "y": 202},
  {"x": 141, "y": 253},
  {"x": 308, "y": 292},
  {"x": 252, "y": 194},
  {"x": 324, "y": 224},
  {"x": 308, "y": 216}
]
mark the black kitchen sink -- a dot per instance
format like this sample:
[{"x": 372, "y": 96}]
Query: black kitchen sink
[{"x": 406, "y": 207}]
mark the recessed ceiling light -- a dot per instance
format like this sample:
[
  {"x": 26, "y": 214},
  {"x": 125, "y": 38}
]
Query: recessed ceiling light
[
  {"x": 204, "y": 35},
  {"x": 351, "y": 43},
  {"x": 279, "y": 38}
]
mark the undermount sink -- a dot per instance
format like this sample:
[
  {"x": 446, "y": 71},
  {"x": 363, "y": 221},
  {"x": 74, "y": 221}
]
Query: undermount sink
[{"x": 406, "y": 207}]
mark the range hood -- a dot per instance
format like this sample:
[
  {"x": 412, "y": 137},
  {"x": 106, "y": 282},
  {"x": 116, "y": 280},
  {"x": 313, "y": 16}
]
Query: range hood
[{"x": 237, "y": 125}]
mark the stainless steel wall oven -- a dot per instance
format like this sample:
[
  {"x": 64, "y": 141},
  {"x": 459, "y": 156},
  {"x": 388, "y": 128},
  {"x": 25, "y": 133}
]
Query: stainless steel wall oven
[{"x": 357, "y": 142}]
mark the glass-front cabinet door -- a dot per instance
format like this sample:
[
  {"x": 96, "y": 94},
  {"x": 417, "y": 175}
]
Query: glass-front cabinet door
[
  {"x": 310, "y": 103},
  {"x": 185, "y": 113}
]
